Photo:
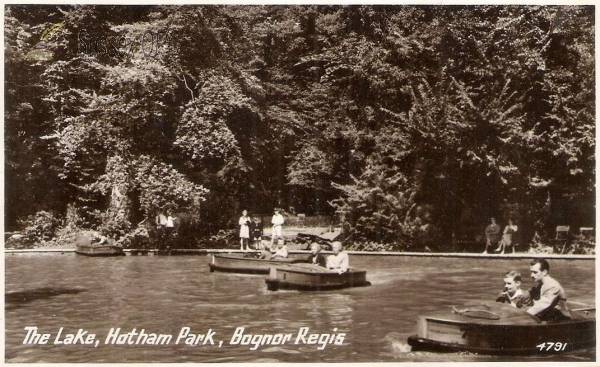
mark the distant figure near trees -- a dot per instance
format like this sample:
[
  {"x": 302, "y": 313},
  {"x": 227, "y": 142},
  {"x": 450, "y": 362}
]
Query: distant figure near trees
[
  {"x": 256, "y": 232},
  {"x": 277, "y": 222},
  {"x": 508, "y": 237},
  {"x": 161, "y": 221},
  {"x": 244, "y": 223},
  {"x": 492, "y": 235}
]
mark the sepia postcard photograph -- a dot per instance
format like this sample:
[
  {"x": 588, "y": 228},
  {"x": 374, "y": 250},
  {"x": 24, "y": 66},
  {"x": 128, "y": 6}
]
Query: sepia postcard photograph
[{"x": 299, "y": 183}]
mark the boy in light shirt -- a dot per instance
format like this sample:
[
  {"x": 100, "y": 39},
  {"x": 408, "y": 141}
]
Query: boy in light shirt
[{"x": 513, "y": 293}]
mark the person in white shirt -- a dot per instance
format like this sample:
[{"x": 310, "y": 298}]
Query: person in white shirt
[
  {"x": 282, "y": 250},
  {"x": 277, "y": 222},
  {"x": 339, "y": 261}
]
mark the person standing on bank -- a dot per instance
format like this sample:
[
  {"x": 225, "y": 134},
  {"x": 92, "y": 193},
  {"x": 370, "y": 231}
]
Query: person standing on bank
[
  {"x": 277, "y": 222},
  {"x": 492, "y": 235},
  {"x": 244, "y": 230},
  {"x": 256, "y": 232},
  {"x": 161, "y": 226}
]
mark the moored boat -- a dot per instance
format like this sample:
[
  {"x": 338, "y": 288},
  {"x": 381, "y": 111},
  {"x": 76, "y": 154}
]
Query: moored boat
[
  {"x": 246, "y": 263},
  {"x": 497, "y": 328},
  {"x": 84, "y": 246},
  {"x": 311, "y": 277},
  {"x": 99, "y": 250}
]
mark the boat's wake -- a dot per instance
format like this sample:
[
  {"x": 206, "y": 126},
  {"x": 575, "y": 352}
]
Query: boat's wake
[{"x": 397, "y": 343}]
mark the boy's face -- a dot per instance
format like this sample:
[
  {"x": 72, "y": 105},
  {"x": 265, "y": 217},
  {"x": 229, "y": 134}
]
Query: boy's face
[{"x": 511, "y": 285}]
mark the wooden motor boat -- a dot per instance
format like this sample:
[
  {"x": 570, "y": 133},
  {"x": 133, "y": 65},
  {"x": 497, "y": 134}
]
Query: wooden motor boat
[
  {"x": 497, "y": 328},
  {"x": 84, "y": 246},
  {"x": 246, "y": 263},
  {"x": 99, "y": 250},
  {"x": 311, "y": 277}
]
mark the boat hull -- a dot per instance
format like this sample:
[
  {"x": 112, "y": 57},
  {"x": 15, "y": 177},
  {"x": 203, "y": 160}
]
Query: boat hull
[
  {"x": 309, "y": 277},
  {"x": 247, "y": 265},
  {"x": 99, "y": 250},
  {"x": 504, "y": 331}
]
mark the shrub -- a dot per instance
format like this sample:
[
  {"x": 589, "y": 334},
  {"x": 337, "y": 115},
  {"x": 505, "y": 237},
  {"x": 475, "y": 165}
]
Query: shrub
[{"x": 40, "y": 226}]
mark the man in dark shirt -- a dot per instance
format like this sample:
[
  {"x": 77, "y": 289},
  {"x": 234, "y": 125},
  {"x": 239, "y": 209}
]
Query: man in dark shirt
[{"x": 315, "y": 256}]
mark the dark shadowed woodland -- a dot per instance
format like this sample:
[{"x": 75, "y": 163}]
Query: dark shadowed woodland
[{"x": 410, "y": 125}]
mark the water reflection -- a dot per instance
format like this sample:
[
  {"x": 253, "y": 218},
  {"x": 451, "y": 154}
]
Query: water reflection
[{"x": 165, "y": 294}]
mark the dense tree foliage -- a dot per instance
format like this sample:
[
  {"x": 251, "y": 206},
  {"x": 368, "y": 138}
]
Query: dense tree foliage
[{"x": 414, "y": 124}]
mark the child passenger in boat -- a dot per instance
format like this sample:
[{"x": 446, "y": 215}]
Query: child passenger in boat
[
  {"x": 513, "y": 293},
  {"x": 315, "y": 256},
  {"x": 282, "y": 250}
]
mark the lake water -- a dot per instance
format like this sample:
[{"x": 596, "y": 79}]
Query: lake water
[{"x": 165, "y": 294}]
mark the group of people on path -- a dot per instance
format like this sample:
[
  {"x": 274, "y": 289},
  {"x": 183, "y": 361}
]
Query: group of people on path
[
  {"x": 546, "y": 299},
  {"x": 252, "y": 230},
  {"x": 249, "y": 230},
  {"x": 505, "y": 240}
]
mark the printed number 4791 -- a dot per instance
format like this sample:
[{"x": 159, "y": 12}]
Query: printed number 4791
[{"x": 550, "y": 346}]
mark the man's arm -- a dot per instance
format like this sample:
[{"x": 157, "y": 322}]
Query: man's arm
[
  {"x": 345, "y": 263},
  {"x": 547, "y": 300},
  {"x": 330, "y": 263}
]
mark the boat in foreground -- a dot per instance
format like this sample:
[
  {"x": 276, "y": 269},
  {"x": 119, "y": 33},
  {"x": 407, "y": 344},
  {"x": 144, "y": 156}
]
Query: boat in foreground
[
  {"x": 311, "y": 277},
  {"x": 497, "y": 328},
  {"x": 246, "y": 263}
]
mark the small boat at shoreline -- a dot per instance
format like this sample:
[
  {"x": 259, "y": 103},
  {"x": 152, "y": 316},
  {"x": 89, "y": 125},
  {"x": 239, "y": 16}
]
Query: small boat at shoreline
[
  {"x": 246, "y": 263},
  {"x": 500, "y": 329},
  {"x": 99, "y": 250},
  {"x": 84, "y": 246},
  {"x": 311, "y": 277}
]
